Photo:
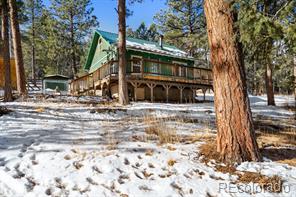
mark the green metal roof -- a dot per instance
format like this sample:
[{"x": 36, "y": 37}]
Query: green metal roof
[
  {"x": 136, "y": 44},
  {"x": 113, "y": 37}
]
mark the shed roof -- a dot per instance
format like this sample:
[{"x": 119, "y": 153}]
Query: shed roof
[{"x": 56, "y": 77}]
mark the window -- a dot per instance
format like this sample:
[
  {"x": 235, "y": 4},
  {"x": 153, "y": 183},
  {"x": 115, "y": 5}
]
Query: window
[
  {"x": 182, "y": 68},
  {"x": 190, "y": 73},
  {"x": 154, "y": 68},
  {"x": 136, "y": 64},
  {"x": 175, "y": 70},
  {"x": 114, "y": 68},
  {"x": 182, "y": 71}
]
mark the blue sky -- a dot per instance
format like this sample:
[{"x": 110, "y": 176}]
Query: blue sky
[{"x": 142, "y": 12}]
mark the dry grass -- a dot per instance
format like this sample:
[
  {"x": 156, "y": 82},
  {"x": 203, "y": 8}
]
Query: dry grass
[
  {"x": 171, "y": 162},
  {"x": 149, "y": 152},
  {"x": 40, "y": 110},
  {"x": 277, "y": 137},
  {"x": 281, "y": 155},
  {"x": 157, "y": 127},
  {"x": 208, "y": 151},
  {"x": 271, "y": 184},
  {"x": 112, "y": 142},
  {"x": 275, "y": 132}
]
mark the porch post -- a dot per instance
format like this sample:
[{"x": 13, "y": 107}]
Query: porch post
[
  {"x": 204, "y": 94},
  {"x": 87, "y": 85},
  {"x": 151, "y": 86},
  {"x": 193, "y": 94},
  {"x": 95, "y": 89},
  {"x": 102, "y": 89},
  {"x": 181, "y": 88},
  {"x": 167, "y": 88},
  {"x": 135, "y": 85}
]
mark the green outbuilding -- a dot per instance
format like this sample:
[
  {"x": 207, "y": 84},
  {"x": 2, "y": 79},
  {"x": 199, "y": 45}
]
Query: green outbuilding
[{"x": 56, "y": 83}]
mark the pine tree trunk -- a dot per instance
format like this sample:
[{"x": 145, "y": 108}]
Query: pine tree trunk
[
  {"x": 294, "y": 61},
  {"x": 73, "y": 65},
  {"x": 5, "y": 51},
  {"x": 269, "y": 83},
  {"x": 269, "y": 10},
  {"x": 33, "y": 57},
  {"x": 122, "y": 84},
  {"x": 17, "y": 45},
  {"x": 236, "y": 137}
]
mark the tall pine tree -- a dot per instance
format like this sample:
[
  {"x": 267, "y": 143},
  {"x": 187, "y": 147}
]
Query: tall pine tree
[
  {"x": 17, "y": 46},
  {"x": 261, "y": 24},
  {"x": 183, "y": 24},
  {"x": 5, "y": 50},
  {"x": 75, "y": 22},
  {"x": 235, "y": 131}
]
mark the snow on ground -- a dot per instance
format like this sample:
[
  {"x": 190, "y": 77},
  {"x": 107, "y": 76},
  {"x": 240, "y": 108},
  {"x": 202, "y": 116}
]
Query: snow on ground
[{"x": 64, "y": 149}]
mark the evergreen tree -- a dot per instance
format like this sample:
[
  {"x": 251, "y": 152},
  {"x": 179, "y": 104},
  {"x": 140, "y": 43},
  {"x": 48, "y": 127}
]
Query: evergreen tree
[
  {"x": 5, "y": 50},
  {"x": 33, "y": 38},
  {"x": 236, "y": 140},
  {"x": 122, "y": 83},
  {"x": 18, "y": 52},
  {"x": 261, "y": 24},
  {"x": 183, "y": 24},
  {"x": 74, "y": 22},
  {"x": 142, "y": 32}
]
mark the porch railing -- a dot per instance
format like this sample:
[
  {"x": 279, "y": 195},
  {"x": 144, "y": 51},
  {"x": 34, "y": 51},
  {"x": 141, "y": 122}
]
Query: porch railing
[{"x": 163, "y": 71}]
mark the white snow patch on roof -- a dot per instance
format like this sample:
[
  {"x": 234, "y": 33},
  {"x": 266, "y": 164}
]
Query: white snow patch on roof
[{"x": 154, "y": 48}]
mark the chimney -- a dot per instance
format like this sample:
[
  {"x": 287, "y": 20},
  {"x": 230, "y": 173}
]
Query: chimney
[{"x": 161, "y": 41}]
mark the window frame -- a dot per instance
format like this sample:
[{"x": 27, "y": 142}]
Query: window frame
[
  {"x": 133, "y": 64},
  {"x": 182, "y": 65}
]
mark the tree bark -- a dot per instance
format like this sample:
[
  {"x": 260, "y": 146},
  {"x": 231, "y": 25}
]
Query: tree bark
[
  {"x": 236, "y": 137},
  {"x": 269, "y": 84},
  {"x": 6, "y": 55},
  {"x": 17, "y": 45},
  {"x": 33, "y": 57},
  {"x": 122, "y": 83},
  {"x": 294, "y": 61},
  {"x": 268, "y": 75},
  {"x": 269, "y": 9},
  {"x": 73, "y": 65}
]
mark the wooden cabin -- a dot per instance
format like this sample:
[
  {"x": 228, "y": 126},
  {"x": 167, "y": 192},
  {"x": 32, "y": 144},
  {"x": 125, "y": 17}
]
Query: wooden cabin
[
  {"x": 154, "y": 71},
  {"x": 12, "y": 70}
]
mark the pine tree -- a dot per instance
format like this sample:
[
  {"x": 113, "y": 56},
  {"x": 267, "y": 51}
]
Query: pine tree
[
  {"x": 142, "y": 32},
  {"x": 122, "y": 83},
  {"x": 17, "y": 45},
  {"x": 261, "y": 24},
  {"x": 75, "y": 22},
  {"x": 236, "y": 136},
  {"x": 183, "y": 24},
  {"x": 35, "y": 7},
  {"x": 5, "y": 51}
]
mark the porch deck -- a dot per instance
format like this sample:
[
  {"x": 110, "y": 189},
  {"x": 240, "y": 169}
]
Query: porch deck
[{"x": 167, "y": 75}]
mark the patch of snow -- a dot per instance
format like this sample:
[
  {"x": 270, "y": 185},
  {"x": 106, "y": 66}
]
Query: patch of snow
[{"x": 61, "y": 149}]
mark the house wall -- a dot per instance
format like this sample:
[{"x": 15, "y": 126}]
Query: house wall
[
  {"x": 102, "y": 54},
  {"x": 165, "y": 69}
]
